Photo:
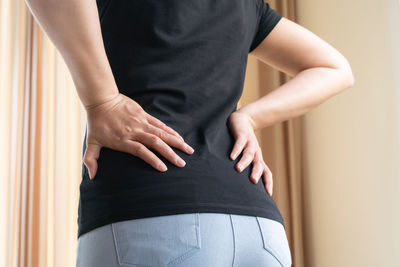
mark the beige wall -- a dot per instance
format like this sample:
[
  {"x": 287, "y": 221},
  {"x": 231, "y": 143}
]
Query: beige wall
[{"x": 352, "y": 141}]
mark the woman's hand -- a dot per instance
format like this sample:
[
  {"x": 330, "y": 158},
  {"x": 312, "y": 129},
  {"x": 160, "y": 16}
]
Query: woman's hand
[
  {"x": 241, "y": 126},
  {"x": 122, "y": 124}
]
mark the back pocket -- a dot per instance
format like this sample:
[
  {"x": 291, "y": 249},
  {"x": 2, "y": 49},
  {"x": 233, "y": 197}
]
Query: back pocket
[
  {"x": 157, "y": 241},
  {"x": 275, "y": 240}
]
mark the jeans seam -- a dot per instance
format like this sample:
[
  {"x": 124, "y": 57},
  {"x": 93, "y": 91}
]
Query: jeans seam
[
  {"x": 263, "y": 240},
  {"x": 233, "y": 235},
  {"x": 173, "y": 262},
  {"x": 116, "y": 245},
  {"x": 182, "y": 258}
]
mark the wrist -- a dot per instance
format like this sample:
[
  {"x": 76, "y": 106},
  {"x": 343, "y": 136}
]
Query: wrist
[
  {"x": 248, "y": 112},
  {"x": 103, "y": 101}
]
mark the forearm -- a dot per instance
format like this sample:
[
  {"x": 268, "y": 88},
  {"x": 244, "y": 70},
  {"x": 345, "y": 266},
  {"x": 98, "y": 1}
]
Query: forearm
[
  {"x": 305, "y": 91},
  {"x": 74, "y": 28}
]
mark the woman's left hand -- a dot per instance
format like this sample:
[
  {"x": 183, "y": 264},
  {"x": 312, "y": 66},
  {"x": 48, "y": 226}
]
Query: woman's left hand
[{"x": 241, "y": 126}]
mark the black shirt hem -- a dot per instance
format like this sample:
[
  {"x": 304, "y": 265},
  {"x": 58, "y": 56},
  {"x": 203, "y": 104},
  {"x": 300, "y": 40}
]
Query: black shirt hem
[{"x": 86, "y": 226}]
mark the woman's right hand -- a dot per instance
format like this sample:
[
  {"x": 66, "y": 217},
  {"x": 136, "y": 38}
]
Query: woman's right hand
[{"x": 122, "y": 124}]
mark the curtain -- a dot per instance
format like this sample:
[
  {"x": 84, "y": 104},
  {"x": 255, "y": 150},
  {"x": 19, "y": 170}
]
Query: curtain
[{"x": 42, "y": 127}]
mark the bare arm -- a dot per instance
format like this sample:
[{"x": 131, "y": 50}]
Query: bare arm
[
  {"x": 74, "y": 28},
  {"x": 320, "y": 72},
  {"x": 114, "y": 120}
]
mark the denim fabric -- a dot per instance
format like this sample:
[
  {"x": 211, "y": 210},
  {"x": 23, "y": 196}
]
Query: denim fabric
[{"x": 190, "y": 239}]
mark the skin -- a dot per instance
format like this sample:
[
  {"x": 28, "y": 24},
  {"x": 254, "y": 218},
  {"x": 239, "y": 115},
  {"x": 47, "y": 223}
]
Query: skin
[
  {"x": 318, "y": 72},
  {"x": 118, "y": 122}
]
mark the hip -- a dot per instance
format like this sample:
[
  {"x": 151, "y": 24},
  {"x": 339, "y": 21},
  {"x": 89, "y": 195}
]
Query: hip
[{"x": 190, "y": 239}]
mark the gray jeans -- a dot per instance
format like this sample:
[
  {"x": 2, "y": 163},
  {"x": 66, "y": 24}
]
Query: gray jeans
[{"x": 190, "y": 239}]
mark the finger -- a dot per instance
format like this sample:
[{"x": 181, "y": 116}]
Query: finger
[
  {"x": 257, "y": 171},
  {"x": 169, "y": 139},
  {"x": 238, "y": 146},
  {"x": 158, "y": 144},
  {"x": 247, "y": 158},
  {"x": 90, "y": 158},
  {"x": 139, "y": 150},
  {"x": 156, "y": 122},
  {"x": 267, "y": 174},
  {"x": 258, "y": 164}
]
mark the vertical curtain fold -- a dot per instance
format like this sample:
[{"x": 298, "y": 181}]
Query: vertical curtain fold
[{"x": 41, "y": 133}]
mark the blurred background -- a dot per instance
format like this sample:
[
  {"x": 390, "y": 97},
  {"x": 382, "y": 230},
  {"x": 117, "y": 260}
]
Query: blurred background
[{"x": 336, "y": 169}]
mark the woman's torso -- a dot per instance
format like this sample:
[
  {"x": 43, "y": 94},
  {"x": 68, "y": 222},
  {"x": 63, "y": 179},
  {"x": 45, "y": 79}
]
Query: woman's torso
[{"x": 184, "y": 62}]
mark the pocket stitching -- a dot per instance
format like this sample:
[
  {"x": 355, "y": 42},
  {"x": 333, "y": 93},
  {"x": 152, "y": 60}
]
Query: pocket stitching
[
  {"x": 267, "y": 247},
  {"x": 116, "y": 244},
  {"x": 174, "y": 261},
  {"x": 194, "y": 249}
]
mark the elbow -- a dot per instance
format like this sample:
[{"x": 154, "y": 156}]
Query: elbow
[
  {"x": 349, "y": 78},
  {"x": 351, "y": 84},
  {"x": 347, "y": 74}
]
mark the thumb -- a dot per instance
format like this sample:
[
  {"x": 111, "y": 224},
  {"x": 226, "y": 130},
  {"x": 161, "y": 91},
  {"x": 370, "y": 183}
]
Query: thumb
[{"x": 90, "y": 158}]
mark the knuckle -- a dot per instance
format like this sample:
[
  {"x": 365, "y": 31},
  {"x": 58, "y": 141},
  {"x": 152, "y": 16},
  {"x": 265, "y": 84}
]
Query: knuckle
[
  {"x": 138, "y": 149},
  {"x": 247, "y": 149},
  {"x": 127, "y": 129},
  {"x": 161, "y": 123},
  {"x": 120, "y": 135},
  {"x": 162, "y": 134},
  {"x": 136, "y": 119},
  {"x": 243, "y": 160},
  {"x": 260, "y": 170},
  {"x": 136, "y": 131},
  {"x": 155, "y": 140},
  {"x": 258, "y": 159},
  {"x": 249, "y": 155},
  {"x": 257, "y": 165},
  {"x": 250, "y": 149},
  {"x": 116, "y": 135},
  {"x": 257, "y": 173},
  {"x": 147, "y": 127},
  {"x": 241, "y": 139},
  {"x": 264, "y": 165}
]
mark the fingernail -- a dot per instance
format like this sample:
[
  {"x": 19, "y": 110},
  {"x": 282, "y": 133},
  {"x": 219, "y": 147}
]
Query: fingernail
[
  {"x": 234, "y": 155},
  {"x": 163, "y": 167},
  {"x": 181, "y": 162},
  {"x": 240, "y": 166},
  {"x": 191, "y": 150}
]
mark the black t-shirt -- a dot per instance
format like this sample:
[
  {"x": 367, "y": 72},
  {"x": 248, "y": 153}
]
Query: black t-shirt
[{"x": 184, "y": 62}]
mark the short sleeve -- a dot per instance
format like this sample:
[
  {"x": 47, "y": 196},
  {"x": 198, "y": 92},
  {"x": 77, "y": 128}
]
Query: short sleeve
[{"x": 267, "y": 20}]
